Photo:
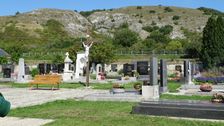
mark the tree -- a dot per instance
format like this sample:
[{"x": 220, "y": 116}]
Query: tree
[
  {"x": 3, "y": 60},
  {"x": 174, "y": 46},
  {"x": 212, "y": 44},
  {"x": 102, "y": 52},
  {"x": 125, "y": 37}
]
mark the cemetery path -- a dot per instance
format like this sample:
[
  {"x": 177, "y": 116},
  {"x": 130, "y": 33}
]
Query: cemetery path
[
  {"x": 22, "y": 97},
  {"x": 13, "y": 121}
]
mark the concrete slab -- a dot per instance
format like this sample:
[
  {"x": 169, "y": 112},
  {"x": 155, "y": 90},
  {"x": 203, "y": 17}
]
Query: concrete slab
[{"x": 14, "y": 121}]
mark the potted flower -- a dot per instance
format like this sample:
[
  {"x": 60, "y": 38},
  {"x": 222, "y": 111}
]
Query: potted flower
[
  {"x": 138, "y": 87},
  {"x": 217, "y": 98},
  {"x": 206, "y": 87}
]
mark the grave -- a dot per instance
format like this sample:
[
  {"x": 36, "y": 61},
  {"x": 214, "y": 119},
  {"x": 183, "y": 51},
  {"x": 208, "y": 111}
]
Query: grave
[
  {"x": 163, "y": 76},
  {"x": 21, "y": 72},
  {"x": 80, "y": 64},
  {"x": 142, "y": 67},
  {"x": 143, "y": 70},
  {"x": 128, "y": 70},
  {"x": 152, "y": 91},
  {"x": 187, "y": 72},
  {"x": 7, "y": 69},
  {"x": 190, "y": 109},
  {"x": 44, "y": 68},
  {"x": 68, "y": 74},
  {"x": 99, "y": 72}
]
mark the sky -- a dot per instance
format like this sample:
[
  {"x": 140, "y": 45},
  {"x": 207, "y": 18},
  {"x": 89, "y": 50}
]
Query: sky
[{"x": 10, "y": 7}]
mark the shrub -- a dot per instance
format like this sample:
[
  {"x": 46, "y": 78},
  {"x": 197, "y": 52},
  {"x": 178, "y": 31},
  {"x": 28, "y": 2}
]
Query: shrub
[
  {"x": 168, "y": 9},
  {"x": 140, "y": 21},
  {"x": 34, "y": 72},
  {"x": 176, "y": 23},
  {"x": 175, "y": 17},
  {"x": 152, "y": 11},
  {"x": 139, "y": 7},
  {"x": 153, "y": 23}
]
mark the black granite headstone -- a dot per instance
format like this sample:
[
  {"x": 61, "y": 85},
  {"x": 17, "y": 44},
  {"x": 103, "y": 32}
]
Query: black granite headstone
[
  {"x": 41, "y": 68},
  {"x": 7, "y": 73},
  {"x": 142, "y": 67},
  {"x": 163, "y": 76},
  {"x": 27, "y": 70},
  {"x": 192, "y": 109},
  {"x": 128, "y": 70},
  {"x": 60, "y": 68},
  {"x": 48, "y": 68},
  {"x": 186, "y": 71},
  {"x": 54, "y": 68},
  {"x": 7, "y": 70}
]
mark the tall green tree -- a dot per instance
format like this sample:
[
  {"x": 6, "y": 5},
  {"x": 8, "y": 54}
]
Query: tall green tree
[
  {"x": 212, "y": 44},
  {"x": 125, "y": 37},
  {"x": 102, "y": 52}
]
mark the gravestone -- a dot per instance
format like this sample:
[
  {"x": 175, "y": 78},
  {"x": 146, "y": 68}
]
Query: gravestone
[
  {"x": 128, "y": 69},
  {"x": 41, "y": 68},
  {"x": 163, "y": 76},
  {"x": 7, "y": 70},
  {"x": 142, "y": 67},
  {"x": 6, "y": 73},
  {"x": 27, "y": 70},
  {"x": 114, "y": 67},
  {"x": 187, "y": 72},
  {"x": 99, "y": 71},
  {"x": 68, "y": 74},
  {"x": 60, "y": 68},
  {"x": 80, "y": 64},
  {"x": 153, "y": 71},
  {"x": 21, "y": 72},
  {"x": 54, "y": 68},
  {"x": 48, "y": 68},
  {"x": 152, "y": 91}
]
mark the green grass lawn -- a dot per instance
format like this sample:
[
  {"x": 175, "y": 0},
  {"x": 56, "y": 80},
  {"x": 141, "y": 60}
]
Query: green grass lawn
[
  {"x": 106, "y": 86},
  {"x": 173, "y": 86},
  {"x": 87, "y": 113}
]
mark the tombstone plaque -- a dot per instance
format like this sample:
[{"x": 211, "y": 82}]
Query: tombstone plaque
[
  {"x": 142, "y": 67},
  {"x": 114, "y": 67},
  {"x": 41, "y": 68},
  {"x": 128, "y": 70}
]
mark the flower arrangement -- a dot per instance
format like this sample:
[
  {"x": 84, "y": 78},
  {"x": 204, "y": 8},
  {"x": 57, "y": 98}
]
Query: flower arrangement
[
  {"x": 218, "y": 98},
  {"x": 116, "y": 85},
  {"x": 206, "y": 87}
]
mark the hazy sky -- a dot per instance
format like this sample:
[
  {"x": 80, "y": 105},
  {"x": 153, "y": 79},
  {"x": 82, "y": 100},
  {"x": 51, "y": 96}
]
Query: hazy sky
[{"x": 10, "y": 7}]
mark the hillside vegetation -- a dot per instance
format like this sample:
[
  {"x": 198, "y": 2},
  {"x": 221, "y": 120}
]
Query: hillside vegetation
[{"x": 138, "y": 28}]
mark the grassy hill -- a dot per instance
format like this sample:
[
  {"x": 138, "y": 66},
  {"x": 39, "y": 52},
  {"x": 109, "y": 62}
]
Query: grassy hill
[{"x": 53, "y": 30}]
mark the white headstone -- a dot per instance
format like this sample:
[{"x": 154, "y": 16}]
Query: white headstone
[
  {"x": 21, "y": 72},
  {"x": 80, "y": 63},
  {"x": 99, "y": 69}
]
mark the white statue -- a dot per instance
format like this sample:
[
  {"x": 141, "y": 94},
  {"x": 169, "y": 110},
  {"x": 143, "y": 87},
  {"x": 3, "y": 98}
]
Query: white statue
[{"x": 87, "y": 47}]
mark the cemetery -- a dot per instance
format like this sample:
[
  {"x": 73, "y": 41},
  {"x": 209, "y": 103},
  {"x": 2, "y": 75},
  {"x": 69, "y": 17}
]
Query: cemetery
[{"x": 119, "y": 66}]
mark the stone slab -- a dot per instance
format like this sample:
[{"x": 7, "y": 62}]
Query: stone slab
[
  {"x": 191, "y": 109},
  {"x": 14, "y": 121}
]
